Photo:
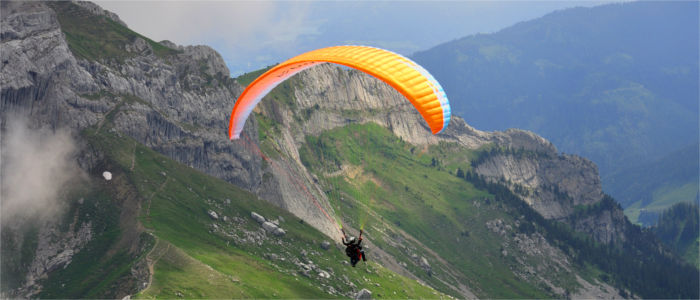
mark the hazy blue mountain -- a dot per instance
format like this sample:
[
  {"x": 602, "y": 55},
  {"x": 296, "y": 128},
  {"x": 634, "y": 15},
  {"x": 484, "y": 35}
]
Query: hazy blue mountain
[
  {"x": 615, "y": 83},
  {"x": 647, "y": 189}
]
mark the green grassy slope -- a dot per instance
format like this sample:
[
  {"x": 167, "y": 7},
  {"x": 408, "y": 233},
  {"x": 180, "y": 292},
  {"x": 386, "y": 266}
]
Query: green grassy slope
[
  {"x": 389, "y": 186},
  {"x": 193, "y": 258}
]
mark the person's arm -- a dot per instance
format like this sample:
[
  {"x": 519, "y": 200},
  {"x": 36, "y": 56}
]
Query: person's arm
[{"x": 344, "y": 237}]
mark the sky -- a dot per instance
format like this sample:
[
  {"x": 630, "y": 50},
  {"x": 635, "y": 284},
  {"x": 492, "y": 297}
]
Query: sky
[{"x": 251, "y": 35}]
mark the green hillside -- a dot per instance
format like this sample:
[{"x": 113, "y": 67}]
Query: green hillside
[
  {"x": 388, "y": 186},
  {"x": 194, "y": 256},
  {"x": 379, "y": 181}
]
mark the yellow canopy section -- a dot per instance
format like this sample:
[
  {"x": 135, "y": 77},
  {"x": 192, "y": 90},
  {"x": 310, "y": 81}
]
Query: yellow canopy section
[{"x": 407, "y": 77}]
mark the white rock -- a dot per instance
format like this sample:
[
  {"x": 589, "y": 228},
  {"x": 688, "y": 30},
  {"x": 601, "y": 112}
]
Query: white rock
[
  {"x": 279, "y": 232},
  {"x": 258, "y": 218},
  {"x": 363, "y": 294},
  {"x": 107, "y": 175},
  {"x": 269, "y": 227}
]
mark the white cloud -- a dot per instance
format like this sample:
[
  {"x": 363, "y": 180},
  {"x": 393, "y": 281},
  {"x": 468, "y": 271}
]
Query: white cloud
[{"x": 36, "y": 166}]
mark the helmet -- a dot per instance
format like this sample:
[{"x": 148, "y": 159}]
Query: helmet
[{"x": 351, "y": 239}]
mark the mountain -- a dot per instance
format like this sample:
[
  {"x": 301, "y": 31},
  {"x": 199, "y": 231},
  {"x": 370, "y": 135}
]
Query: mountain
[
  {"x": 167, "y": 206},
  {"x": 616, "y": 83},
  {"x": 646, "y": 190}
]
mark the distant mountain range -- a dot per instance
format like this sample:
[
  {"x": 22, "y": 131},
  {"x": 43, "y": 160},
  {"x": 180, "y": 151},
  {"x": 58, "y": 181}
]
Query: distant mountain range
[{"x": 616, "y": 83}]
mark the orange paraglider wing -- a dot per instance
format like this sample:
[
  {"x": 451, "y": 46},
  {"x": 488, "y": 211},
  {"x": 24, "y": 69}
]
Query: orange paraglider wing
[{"x": 404, "y": 75}]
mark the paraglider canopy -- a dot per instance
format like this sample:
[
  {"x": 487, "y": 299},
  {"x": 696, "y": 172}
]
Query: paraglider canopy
[{"x": 404, "y": 75}]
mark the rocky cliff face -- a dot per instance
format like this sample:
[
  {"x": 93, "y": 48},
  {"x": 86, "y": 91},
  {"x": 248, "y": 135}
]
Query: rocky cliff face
[{"x": 552, "y": 184}]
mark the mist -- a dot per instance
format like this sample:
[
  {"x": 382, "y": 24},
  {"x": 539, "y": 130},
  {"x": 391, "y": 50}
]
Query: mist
[{"x": 37, "y": 167}]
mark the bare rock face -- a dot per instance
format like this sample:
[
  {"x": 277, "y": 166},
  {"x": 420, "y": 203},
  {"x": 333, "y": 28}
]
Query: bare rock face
[
  {"x": 55, "y": 249},
  {"x": 607, "y": 226},
  {"x": 40, "y": 76},
  {"x": 553, "y": 184}
]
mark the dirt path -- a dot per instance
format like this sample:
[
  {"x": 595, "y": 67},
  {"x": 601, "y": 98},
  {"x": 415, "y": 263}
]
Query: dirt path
[{"x": 153, "y": 258}]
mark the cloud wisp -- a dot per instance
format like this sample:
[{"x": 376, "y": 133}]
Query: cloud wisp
[{"x": 36, "y": 169}]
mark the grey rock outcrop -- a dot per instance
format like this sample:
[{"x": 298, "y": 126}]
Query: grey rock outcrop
[
  {"x": 607, "y": 226},
  {"x": 552, "y": 184},
  {"x": 55, "y": 249},
  {"x": 258, "y": 218},
  {"x": 272, "y": 228},
  {"x": 363, "y": 294}
]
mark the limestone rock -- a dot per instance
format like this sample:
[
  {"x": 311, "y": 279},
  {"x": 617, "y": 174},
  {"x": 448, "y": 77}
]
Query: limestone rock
[
  {"x": 269, "y": 227},
  {"x": 363, "y": 294},
  {"x": 279, "y": 232},
  {"x": 258, "y": 218}
]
